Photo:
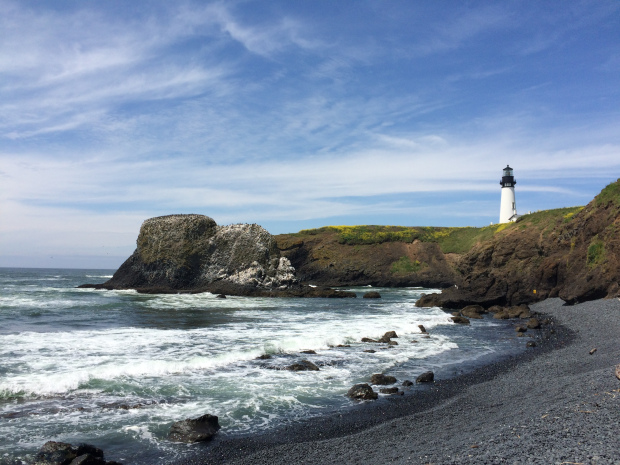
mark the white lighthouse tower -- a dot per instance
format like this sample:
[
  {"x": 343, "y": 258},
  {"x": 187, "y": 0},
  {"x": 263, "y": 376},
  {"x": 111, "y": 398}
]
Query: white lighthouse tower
[{"x": 508, "y": 210}]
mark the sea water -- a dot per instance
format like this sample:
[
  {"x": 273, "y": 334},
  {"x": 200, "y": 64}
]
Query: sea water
[{"x": 116, "y": 368}]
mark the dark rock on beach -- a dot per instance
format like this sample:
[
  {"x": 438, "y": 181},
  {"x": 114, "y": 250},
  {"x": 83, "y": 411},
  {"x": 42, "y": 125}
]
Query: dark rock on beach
[
  {"x": 61, "y": 453},
  {"x": 362, "y": 392},
  {"x": 426, "y": 377},
  {"x": 461, "y": 320},
  {"x": 392, "y": 390},
  {"x": 198, "y": 429},
  {"x": 381, "y": 379}
]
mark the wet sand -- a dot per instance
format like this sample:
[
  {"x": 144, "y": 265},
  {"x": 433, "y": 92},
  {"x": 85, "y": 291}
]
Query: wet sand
[{"x": 554, "y": 404}]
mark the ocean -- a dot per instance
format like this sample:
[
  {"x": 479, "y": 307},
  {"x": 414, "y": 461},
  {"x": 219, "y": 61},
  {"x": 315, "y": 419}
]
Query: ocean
[{"x": 116, "y": 368}]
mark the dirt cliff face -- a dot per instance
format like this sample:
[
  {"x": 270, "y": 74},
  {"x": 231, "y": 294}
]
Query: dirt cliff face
[
  {"x": 573, "y": 254},
  {"x": 320, "y": 257}
]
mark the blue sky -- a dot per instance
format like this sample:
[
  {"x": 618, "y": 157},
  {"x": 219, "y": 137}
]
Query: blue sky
[{"x": 295, "y": 114}]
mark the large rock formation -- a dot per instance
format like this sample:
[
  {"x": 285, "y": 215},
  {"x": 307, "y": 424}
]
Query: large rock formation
[
  {"x": 192, "y": 253},
  {"x": 574, "y": 256}
]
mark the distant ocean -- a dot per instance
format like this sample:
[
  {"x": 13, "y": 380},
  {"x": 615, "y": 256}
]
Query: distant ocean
[{"x": 116, "y": 368}]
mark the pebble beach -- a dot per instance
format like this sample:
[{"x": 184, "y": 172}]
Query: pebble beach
[{"x": 558, "y": 403}]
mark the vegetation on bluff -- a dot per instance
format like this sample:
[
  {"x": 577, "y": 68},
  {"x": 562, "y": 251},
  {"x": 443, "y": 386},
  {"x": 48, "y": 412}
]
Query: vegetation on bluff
[{"x": 458, "y": 240}]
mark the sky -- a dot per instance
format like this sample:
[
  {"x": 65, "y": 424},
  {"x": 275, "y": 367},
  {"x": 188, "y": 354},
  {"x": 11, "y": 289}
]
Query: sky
[{"x": 294, "y": 115}]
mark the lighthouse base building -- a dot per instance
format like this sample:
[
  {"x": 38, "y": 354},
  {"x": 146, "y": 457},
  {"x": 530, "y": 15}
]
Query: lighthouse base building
[{"x": 508, "y": 207}]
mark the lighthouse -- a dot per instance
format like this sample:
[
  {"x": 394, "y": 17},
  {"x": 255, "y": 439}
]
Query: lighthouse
[{"x": 508, "y": 210}]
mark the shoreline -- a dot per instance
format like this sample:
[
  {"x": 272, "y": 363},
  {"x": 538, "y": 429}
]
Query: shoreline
[{"x": 490, "y": 415}]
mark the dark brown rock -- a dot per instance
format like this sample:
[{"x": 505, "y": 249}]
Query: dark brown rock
[
  {"x": 309, "y": 352},
  {"x": 533, "y": 323},
  {"x": 427, "y": 377},
  {"x": 370, "y": 351},
  {"x": 392, "y": 343},
  {"x": 520, "y": 329},
  {"x": 263, "y": 357},
  {"x": 372, "y": 295},
  {"x": 617, "y": 371},
  {"x": 198, "y": 429},
  {"x": 381, "y": 379},
  {"x": 55, "y": 453},
  {"x": 461, "y": 320},
  {"x": 473, "y": 311},
  {"x": 367, "y": 339},
  {"x": 407, "y": 383},
  {"x": 362, "y": 392},
  {"x": 304, "y": 365},
  {"x": 390, "y": 335},
  {"x": 422, "y": 329},
  {"x": 392, "y": 390}
]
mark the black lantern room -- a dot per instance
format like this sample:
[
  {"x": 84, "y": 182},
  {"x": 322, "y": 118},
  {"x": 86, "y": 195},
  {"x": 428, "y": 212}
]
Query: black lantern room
[{"x": 508, "y": 180}]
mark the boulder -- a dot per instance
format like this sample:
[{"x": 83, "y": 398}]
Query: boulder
[
  {"x": 62, "y": 453},
  {"x": 495, "y": 309},
  {"x": 392, "y": 343},
  {"x": 309, "y": 352},
  {"x": 263, "y": 357},
  {"x": 362, "y": 392},
  {"x": 520, "y": 329},
  {"x": 427, "y": 377},
  {"x": 194, "y": 430},
  {"x": 422, "y": 329},
  {"x": 367, "y": 339},
  {"x": 390, "y": 335},
  {"x": 533, "y": 323},
  {"x": 501, "y": 315},
  {"x": 461, "y": 320},
  {"x": 304, "y": 365},
  {"x": 221, "y": 296},
  {"x": 407, "y": 383},
  {"x": 372, "y": 295},
  {"x": 381, "y": 379},
  {"x": 392, "y": 390},
  {"x": 473, "y": 311},
  {"x": 55, "y": 453}
]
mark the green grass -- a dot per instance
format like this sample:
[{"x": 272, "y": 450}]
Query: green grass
[
  {"x": 610, "y": 194},
  {"x": 596, "y": 253},
  {"x": 450, "y": 240},
  {"x": 404, "y": 265}
]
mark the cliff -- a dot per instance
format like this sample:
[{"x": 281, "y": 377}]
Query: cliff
[
  {"x": 191, "y": 253},
  {"x": 571, "y": 253}
]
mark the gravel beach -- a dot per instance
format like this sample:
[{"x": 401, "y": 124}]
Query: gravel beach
[{"x": 556, "y": 404}]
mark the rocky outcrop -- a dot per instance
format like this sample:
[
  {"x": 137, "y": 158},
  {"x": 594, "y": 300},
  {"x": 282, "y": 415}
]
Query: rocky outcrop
[
  {"x": 192, "y": 253},
  {"x": 573, "y": 255}
]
